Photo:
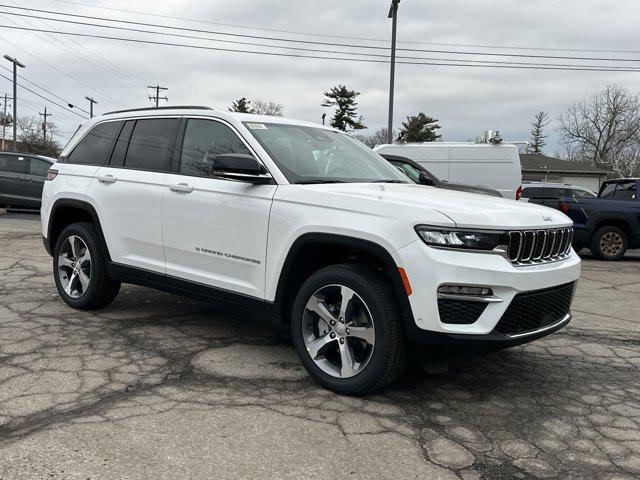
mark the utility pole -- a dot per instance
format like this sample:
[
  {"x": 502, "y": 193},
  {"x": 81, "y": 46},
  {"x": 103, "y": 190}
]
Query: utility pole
[
  {"x": 44, "y": 125},
  {"x": 156, "y": 98},
  {"x": 91, "y": 102},
  {"x": 4, "y": 117},
  {"x": 393, "y": 14},
  {"x": 16, "y": 64}
]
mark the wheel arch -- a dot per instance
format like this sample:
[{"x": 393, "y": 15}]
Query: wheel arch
[
  {"x": 66, "y": 211},
  {"x": 626, "y": 222},
  {"x": 298, "y": 265}
]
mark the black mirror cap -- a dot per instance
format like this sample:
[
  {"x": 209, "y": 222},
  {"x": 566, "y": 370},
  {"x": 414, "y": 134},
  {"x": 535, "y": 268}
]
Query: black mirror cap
[
  {"x": 426, "y": 180},
  {"x": 240, "y": 166}
]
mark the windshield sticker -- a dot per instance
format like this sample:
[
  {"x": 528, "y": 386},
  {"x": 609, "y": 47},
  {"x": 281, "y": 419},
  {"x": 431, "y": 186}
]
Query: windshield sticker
[{"x": 256, "y": 126}]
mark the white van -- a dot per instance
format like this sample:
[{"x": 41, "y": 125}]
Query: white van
[{"x": 482, "y": 164}]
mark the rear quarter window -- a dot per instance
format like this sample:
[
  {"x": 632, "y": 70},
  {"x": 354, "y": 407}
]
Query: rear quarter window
[{"x": 95, "y": 147}]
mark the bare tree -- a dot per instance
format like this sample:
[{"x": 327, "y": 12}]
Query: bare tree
[
  {"x": 379, "y": 137},
  {"x": 540, "y": 121},
  {"x": 605, "y": 127},
  {"x": 31, "y": 137},
  {"x": 263, "y": 107}
]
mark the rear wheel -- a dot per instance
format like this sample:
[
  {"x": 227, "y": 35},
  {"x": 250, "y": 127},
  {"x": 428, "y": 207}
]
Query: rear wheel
[
  {"x": 609, "y": 243},
  {"x": 80, "y": 268},
  {"x": 347, "y": 331}
]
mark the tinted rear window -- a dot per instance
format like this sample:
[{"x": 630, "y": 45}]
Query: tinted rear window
[
  {"x": 95, "y": 147},
  {"x": 38, "y": 167},
  {"x": 13, "y": 164},
  {"x": 151, "y": 144}
]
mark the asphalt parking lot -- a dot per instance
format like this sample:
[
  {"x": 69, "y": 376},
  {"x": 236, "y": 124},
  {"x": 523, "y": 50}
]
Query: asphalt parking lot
[{"x": 157, "y": 386}]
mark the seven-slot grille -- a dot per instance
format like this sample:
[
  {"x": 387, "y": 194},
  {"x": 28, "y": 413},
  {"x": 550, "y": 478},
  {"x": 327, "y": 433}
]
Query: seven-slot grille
[{"x": 539, "y": 246}]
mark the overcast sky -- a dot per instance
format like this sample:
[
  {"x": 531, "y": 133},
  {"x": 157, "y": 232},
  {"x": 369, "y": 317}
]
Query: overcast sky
[{"x": 467, "y": 101}]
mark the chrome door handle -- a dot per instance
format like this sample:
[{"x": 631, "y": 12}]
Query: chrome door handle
[
  {"x": 107, "y": 179},
  {"x": 181, "y": 187}
]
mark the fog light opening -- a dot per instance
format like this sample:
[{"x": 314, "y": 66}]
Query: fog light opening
[{"x": 465, "y": 290}]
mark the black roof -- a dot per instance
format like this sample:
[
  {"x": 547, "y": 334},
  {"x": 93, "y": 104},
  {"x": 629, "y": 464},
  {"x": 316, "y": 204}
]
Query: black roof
[{"x": 542, "y": 163}]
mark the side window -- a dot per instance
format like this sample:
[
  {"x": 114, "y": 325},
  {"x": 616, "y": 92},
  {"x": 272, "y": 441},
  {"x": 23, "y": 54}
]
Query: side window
[
  {"x": 38, "y": 167},
  {"x": 532, "y": 192},
  {"x": 582, "y": 194},
  {"x": 608, "y": 191},
  {"x": 626, "y": 191},
  {"x": 13, "y": 164},
  {"x": 120, "y": 150},
  {"x": 150, "y": 145},
  {"x": 95, "y": 147},
  {"x": 203, "y": 140},
  {"x": 408, "y": 170}
]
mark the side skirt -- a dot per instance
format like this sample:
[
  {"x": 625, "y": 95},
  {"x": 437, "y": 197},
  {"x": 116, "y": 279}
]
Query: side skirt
[{"x": 198, "y": 291}]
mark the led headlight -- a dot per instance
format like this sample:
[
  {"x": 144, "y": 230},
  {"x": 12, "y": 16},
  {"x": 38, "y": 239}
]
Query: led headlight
[{"x": 462, "y": 238}]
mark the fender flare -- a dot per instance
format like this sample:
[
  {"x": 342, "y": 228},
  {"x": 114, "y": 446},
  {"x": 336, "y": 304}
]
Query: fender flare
[
  {"x": 81, "y": 205},
  {"x": 368, "y": 246}
]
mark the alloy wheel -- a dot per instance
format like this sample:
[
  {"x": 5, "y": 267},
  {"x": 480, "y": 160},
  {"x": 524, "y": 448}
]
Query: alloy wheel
[
  {"x": 338, "y": 330},
  {"x": 611, "y": 244},
  {"x": 74, "y": 266}
]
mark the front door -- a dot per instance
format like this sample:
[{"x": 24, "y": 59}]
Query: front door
[
  {"x": 214, "y": 230},
  {"x": 13, "y": 169}
]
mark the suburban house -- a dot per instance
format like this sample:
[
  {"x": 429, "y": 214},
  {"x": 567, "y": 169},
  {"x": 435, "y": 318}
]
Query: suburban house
[{"x": 540, "y": 168}]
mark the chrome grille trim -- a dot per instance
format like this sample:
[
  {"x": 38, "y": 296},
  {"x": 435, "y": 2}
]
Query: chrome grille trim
[{"x": 531, "y": 247}]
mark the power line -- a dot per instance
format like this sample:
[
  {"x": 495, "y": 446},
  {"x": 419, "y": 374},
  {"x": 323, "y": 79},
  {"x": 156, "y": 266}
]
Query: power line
[
  {"x": 42, "y": 96},
  {"x": 347, "y": 37},
  {"x": 311, "y": 49},
  {"x": 17, "y": 27},
  {"x": 195, "y": 30},
  {"x": 278, "y": 54},
  {"x": 22, "y": 77},
  {"x": 70, "y": 45}
]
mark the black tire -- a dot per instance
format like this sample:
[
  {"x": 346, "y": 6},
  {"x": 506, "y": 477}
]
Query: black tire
[
  {"x": 101, "y": 290},
  {"x": 388, "y": 356},
  {"x": 609, "y": 243}
]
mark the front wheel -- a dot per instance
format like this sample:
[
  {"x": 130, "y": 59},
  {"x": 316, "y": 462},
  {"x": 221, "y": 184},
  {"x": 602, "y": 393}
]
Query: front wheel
[
  {"x": 80, "y": 268},
  {"x": 347, "y": 331},
  {"x": 609, "y": 243}
]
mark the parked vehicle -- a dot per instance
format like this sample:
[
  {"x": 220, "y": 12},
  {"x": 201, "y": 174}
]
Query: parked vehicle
[
  {"x": 22, "y": 177},
  {"x": 418, "y": 174},
  {"x": 609, "y": 224},
  {"x": 304, "y": 222},
  {"x": 482, "y": 164},
  {"x": 551, "y": 194}
]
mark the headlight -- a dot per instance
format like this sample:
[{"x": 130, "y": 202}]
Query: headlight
[{"x": 462, "y": 238}]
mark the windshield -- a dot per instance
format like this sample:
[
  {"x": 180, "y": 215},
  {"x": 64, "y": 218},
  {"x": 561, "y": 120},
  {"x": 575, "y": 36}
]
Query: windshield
[{"x": 315, "y": 155}]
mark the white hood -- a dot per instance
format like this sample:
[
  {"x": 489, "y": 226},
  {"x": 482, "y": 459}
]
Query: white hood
[{"x": 418, "y": 203}]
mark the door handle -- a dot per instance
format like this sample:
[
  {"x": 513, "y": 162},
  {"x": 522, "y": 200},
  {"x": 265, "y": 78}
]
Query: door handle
[
  {"x": 107, "y": 179},
  {"x": 181, "y": 187}
]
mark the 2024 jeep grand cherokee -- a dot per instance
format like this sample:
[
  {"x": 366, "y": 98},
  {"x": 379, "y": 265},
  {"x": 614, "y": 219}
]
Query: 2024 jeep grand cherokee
[{"x": 302, "y": 221}]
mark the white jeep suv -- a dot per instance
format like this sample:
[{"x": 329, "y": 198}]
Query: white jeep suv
[{"x": 303, "y": 222}]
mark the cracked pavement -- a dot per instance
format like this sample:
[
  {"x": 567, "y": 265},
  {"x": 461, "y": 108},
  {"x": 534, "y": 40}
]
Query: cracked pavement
[{"x": 158, "y": 386}]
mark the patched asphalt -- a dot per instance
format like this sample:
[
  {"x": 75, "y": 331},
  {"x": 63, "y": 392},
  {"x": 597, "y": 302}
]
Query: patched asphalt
[{"x": 158, "y": 386}]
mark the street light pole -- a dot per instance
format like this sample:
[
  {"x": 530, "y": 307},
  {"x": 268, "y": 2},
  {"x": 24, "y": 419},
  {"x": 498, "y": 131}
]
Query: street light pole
[
  {"x": 16, "y": 64},
  {"x": 393, "y": 15},
  {"x": 91, "y": 102}
]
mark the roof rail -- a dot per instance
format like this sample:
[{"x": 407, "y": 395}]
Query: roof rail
[{"x": 166, "y": 107}]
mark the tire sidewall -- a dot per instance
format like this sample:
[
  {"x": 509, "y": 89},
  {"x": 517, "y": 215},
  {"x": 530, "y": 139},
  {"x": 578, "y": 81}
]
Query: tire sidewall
[
  {"x": 595, "y": 246},
  {"x": 82, "y": 231},
  {"x": 375, "y": 367}
]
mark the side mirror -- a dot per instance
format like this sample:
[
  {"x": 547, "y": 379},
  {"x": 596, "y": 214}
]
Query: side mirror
[
  {"x": 240, "y": 166},
  {"x": 425, "y": 179}
]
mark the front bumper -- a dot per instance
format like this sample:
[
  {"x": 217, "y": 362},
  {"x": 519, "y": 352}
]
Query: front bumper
[{"x": 429, "y": 268}]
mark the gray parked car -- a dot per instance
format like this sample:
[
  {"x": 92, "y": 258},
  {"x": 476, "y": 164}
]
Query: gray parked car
[
  {"x": 22, "y": 177},
  {"x": 418, "y": 174}
]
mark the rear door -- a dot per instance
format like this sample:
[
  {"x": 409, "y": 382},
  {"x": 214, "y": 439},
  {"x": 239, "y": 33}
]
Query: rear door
[
  {"x": 128, "y": 192},
  {"x": 34, "y": 180},
  {"x": 13, "y": 169},
  {"x": 214, "y": 229}
]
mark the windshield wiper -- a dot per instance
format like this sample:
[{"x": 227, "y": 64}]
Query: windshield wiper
[
  {"x": 388, "y": 181},
  {"x": 310, "y": 182}
]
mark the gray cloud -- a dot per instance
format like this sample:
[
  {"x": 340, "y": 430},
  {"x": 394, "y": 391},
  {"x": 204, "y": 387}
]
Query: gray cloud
[{"x": 466, "y": 100}]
